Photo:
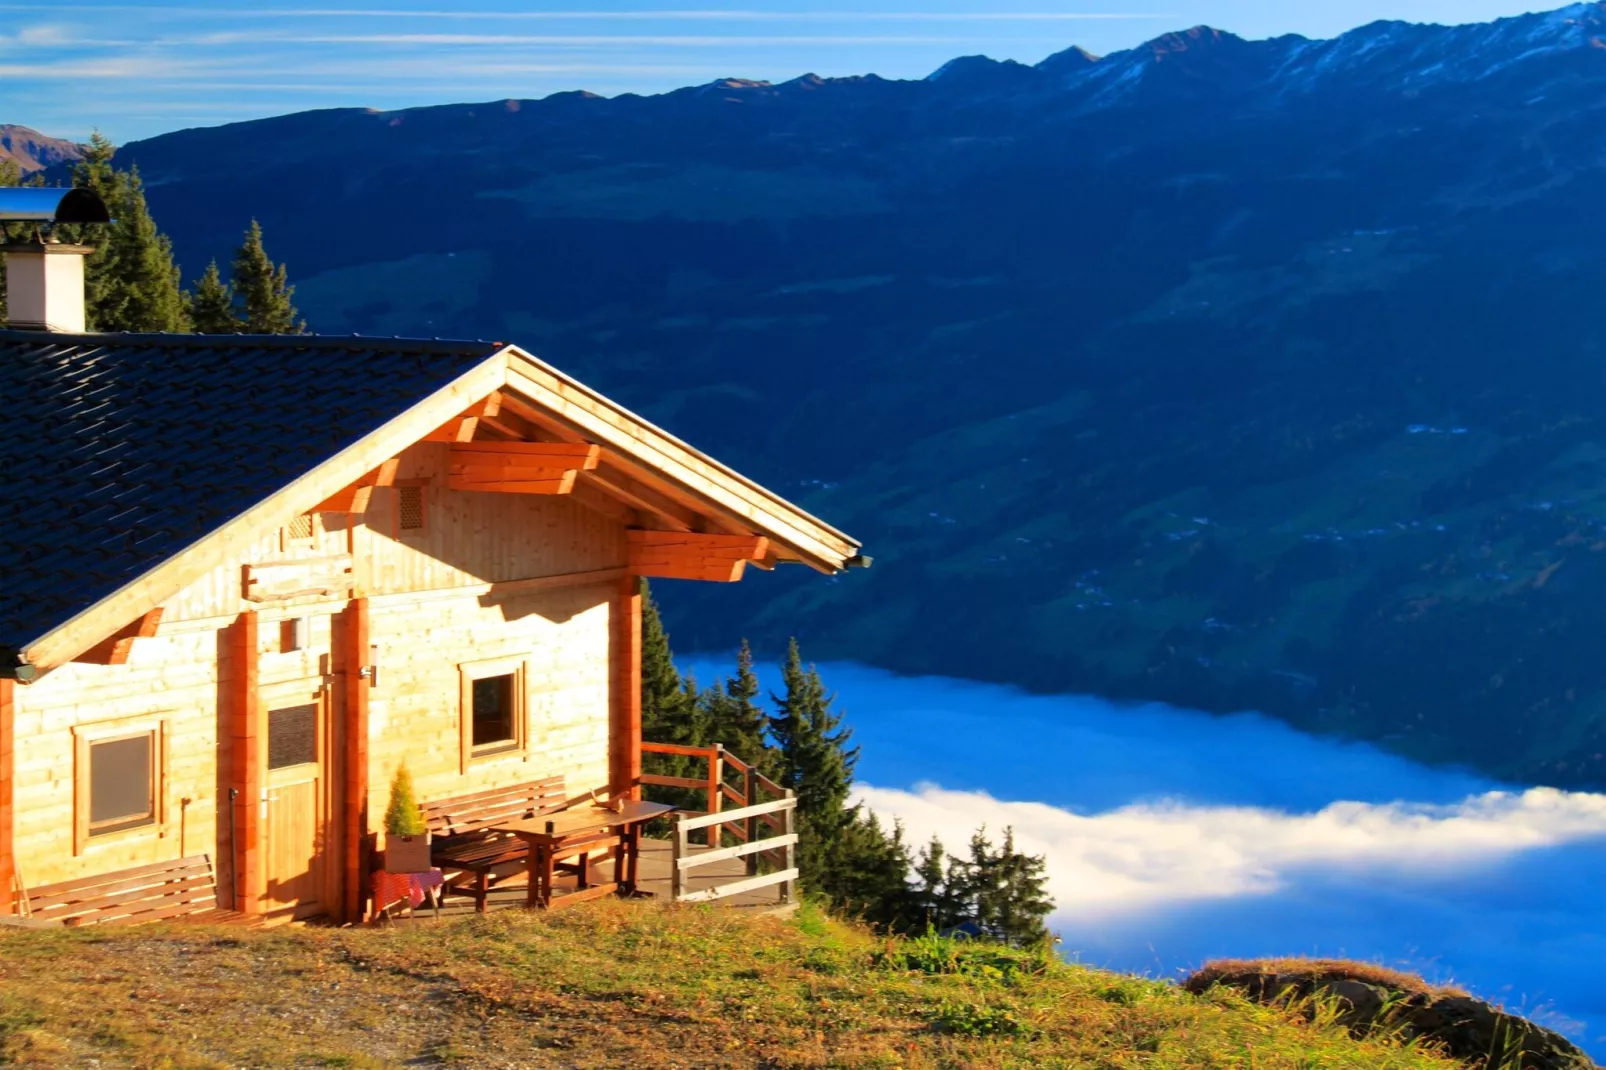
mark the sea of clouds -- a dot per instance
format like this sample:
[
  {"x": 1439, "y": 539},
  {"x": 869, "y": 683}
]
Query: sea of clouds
[{"x": 1173, "y": 837}]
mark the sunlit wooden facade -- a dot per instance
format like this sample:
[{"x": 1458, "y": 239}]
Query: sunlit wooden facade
[{"x": 457, "y": 590}]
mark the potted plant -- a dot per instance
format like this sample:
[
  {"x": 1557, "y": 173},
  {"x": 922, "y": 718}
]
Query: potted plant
[{"x": 406, "y": 834}]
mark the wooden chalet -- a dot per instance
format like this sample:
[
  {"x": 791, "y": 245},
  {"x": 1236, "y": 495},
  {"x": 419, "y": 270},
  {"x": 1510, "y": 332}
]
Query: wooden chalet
[{"x": 243, "y": 579}]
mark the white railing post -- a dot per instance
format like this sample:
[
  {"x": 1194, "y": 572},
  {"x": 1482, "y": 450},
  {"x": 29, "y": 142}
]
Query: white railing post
[
  {"x": 790, "y": 819},
  {"x": 677, "y": 875},
  {"x": 750, "y": 795}
]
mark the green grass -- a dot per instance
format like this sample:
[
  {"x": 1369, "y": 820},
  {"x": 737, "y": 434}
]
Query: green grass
[{"x": 620, "y": 984}]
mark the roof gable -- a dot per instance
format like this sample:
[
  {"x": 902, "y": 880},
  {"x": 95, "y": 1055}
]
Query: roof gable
[
  {"x": 155, "y": 458},
  {"x": 121, "y": 451}
]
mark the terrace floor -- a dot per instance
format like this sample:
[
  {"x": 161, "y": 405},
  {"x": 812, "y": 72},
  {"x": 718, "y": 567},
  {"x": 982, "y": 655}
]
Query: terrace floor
[{"x": 656, "y": 859}]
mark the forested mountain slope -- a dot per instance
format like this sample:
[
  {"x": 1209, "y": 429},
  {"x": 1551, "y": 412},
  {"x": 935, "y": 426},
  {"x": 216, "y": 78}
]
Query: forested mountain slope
[{"x": 1238, "y": 374}]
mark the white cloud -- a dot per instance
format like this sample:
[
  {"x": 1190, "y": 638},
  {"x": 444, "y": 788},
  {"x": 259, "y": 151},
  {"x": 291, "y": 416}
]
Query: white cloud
[{"x": 1138, "y": 858}]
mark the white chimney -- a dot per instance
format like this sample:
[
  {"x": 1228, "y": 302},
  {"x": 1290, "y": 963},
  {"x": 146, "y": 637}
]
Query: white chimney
[{"x": 45, "y": 286}]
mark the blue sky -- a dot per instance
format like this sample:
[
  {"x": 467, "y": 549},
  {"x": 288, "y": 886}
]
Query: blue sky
[{"x": 134, "y": 70}]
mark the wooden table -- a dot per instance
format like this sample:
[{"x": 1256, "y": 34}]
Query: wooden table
[{"x": 556, "y": 834}]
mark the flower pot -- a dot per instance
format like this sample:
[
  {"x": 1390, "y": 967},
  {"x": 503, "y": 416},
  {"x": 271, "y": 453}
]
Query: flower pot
[{"x": 407, "y": 854}]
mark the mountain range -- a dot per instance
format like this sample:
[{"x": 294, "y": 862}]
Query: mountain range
[{"x": 1238, "y": 374}]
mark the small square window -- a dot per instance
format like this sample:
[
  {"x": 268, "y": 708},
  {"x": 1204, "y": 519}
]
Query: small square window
[
  {"x": 494, "y": 708},
  {"x": 122, "y": 783},
  {"x": 493, "y": 714},
  {"x": 410, "y": 508}
]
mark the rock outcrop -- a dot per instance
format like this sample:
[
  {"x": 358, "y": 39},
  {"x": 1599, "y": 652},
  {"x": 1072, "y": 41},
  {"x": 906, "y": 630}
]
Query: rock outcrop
[{"x": 1369, "y": 999}]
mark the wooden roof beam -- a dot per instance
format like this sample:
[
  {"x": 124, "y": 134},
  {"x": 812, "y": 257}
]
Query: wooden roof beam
[
  {"x": 354, "y": 498},
  {"x": 519, "y": 467},
  {"x": 115, "y": 649},
  {"x": 694, "y": 555},
  {"x": 461, "y": 428}
]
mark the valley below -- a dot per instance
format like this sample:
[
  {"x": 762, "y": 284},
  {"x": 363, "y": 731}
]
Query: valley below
[{"x": 1174, "y": 838}]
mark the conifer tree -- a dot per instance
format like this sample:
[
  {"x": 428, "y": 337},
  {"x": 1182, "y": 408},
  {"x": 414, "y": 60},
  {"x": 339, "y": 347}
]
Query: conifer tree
[
  {"x": 669, "y": 713},
  {"x": 130, "y": 280},
  {"x": 935, "y": 905},
  {"x": 735, "y": 718},
  {"x": 816, "y": 761},
  {"x": 212, "y": 304},
  {"x": 262, "y": 289},
  {"x": 1004, "y": 891}
]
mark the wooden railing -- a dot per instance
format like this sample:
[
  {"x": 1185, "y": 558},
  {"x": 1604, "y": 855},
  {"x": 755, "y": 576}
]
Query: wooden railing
[{"x": 763, "y": 823}]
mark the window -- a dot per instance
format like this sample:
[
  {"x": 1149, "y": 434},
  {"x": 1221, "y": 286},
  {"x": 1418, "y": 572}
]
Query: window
[
  {"x": 118, "y": 780},
  {"x": 493, "y": 713},
  {"x": 293, "y": 736},
  {"x": 122, "y": 784},
  {"x": 300, "y": 529}
]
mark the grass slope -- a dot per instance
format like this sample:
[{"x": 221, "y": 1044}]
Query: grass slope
[{"x": 617, "y": 984}]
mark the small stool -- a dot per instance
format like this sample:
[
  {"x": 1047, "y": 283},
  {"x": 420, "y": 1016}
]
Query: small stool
[{"x": 413, "y": 888}]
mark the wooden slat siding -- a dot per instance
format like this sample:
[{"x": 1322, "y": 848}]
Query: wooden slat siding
[
  {"x": 8, "y": 758},
  {"x": 246, "y": 758},
  {"x": 351, "y": 659},
  {"x": 624, "y": 736}
]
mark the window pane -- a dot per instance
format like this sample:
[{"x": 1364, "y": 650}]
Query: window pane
[
  {"x": 120, "y": 783},
  {"x": 493, "y": 710},
  {"x": 292, "y": 736}
]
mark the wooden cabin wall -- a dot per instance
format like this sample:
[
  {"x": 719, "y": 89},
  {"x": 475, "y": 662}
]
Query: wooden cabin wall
[{"x": 431, "y": 611}]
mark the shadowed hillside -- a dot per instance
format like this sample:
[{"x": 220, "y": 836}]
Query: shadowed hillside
[
  {"x": 1236, "y": 374},
  {"x": 32, "y": 151}
]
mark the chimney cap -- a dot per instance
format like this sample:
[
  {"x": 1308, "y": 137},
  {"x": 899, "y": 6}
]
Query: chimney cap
[{"x": 47, "y": 204}]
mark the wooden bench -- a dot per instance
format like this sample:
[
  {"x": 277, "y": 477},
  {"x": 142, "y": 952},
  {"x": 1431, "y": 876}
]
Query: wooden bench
[
  {"x": 475, "y": 857},
  {"x": 183, "y": 889}
]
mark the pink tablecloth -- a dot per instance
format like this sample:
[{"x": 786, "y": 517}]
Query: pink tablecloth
[{"x": 392, "y": 888}]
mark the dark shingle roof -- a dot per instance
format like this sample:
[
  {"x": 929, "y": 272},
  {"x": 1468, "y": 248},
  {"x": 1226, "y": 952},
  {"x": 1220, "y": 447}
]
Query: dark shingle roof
[{"x": 118, "y": 451}]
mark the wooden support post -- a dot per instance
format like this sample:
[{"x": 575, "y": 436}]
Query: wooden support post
[
  {"x": 624, "y": 736},
  {"x": 716, "y": 798},
  {"x": 246, "y": 759},
  {"x": 750, "y": 795},
  {"x": 352, "y": 657},
  {"x": 677, "y": 875},
  {"x": 790, "y": 817},
  {"x": 8, "y": 735}
]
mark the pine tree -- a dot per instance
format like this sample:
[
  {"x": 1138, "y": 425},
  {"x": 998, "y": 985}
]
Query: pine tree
[
  {"x": 935, "y": 905},
  {"x": 816, "y": 761},
  {"x": 212, "y": 304},
  {"x": 735, "y": 718},
  {"x": 1004, "y": 891},
  {"x": 145, "y": 281},
  {"x": 262, "y": 289},
  {"x": 402, "y": 816},
  {"x": 130, "y": 280},
  {"x": 669, "y": 712}
]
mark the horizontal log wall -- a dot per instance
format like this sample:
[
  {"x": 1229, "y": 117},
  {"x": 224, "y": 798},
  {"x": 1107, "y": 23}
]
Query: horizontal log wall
[
  {"x": 414, "y": 707},
  {"x": 426, "y": 620}
]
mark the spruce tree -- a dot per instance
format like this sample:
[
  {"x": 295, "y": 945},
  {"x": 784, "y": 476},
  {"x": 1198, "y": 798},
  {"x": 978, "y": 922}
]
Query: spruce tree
[
  {"x": 212, "y": 304},
  {"x": 130, "y": 280},
  {"x": 935, "y": 905},
  {"x": 1004, "y": 891},
  {"x": 262, "y": 289},
  {"x": 146, "y": 285},
  {"x": 816, "y": 761},
  {"x": 735, "y": 718},
  {"x": 669, "y": 712}
]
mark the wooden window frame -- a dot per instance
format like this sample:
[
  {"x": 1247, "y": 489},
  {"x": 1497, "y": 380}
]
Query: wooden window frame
[
  {"x": 423, "y": 487},
  {"x": 86, "y": 736},
  {"x": 467, "y": 673}
]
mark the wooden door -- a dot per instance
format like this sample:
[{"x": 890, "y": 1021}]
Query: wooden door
[{"x": 296, "y": 827}]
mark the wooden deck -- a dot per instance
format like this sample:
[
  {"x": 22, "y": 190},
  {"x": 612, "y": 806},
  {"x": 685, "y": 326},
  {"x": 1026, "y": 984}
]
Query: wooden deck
[{"x": 654, "y": 878}]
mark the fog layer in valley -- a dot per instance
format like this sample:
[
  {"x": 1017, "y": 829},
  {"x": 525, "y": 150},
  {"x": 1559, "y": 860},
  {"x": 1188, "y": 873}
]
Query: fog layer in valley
[{"x": 1173, "y": 837}]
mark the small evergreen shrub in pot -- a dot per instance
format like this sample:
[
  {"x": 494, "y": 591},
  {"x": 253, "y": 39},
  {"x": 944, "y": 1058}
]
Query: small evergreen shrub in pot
[{"x": 406, "y": 834}]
